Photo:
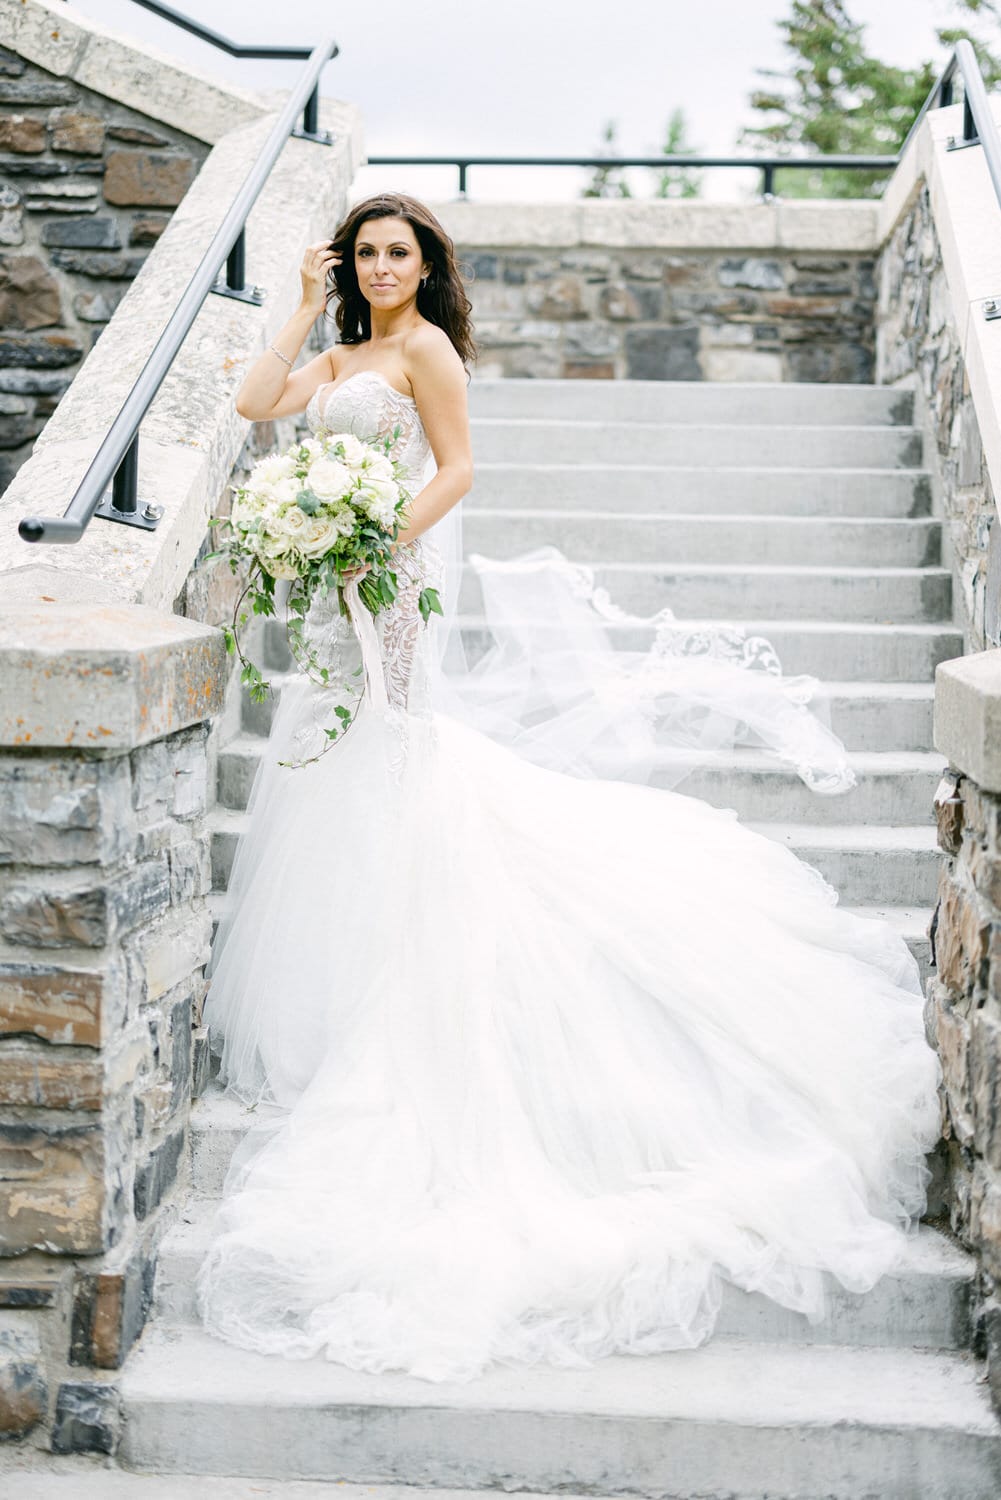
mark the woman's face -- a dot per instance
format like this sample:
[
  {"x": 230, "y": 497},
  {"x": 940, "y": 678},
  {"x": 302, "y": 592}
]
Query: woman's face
[{"x": 388, "y": 262}]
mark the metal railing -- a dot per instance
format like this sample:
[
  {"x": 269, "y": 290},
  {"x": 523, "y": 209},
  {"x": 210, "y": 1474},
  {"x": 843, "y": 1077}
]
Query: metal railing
[
  {"x": 767, "y": 165},
  {"x": 109, "y": 488}
]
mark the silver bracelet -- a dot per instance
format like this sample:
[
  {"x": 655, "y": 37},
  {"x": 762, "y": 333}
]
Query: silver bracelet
[{"x": 280, "y": 355}]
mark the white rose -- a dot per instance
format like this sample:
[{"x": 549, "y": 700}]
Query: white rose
[
  {"x": 318, "y": 536},
  {"x": 355, "y": 451},
  {"x": 286, "y": 491},
  {"x": 328, "y": 479},
  {"x": 270, "y": 544},
  {"x": 291, "y": 524},
  {"x": 269, "y": 470},
  {"x": 279, "y": 569},
  {"x": 386, "y": 489},
  {"x": 378, "y": 466}
]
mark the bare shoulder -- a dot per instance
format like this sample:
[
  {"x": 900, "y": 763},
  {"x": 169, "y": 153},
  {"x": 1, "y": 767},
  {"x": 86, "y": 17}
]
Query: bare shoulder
[{"x": 431, "y": 358}]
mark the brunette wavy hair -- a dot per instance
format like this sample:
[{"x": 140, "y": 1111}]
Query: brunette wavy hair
[{"x": 443, "y": 300}]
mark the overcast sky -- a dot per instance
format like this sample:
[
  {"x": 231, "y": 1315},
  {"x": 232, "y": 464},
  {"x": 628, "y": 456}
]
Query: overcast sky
[{"x": 527, "y": 77}]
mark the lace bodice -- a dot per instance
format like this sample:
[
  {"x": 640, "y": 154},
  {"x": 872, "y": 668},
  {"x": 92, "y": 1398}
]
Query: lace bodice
[{"x": 367, "y": 405}]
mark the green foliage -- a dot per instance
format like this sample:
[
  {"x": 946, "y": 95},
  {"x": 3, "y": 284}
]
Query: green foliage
[
  {"x": 985, "y": 36},
  {"x": 835, "y": 98},
  {"x": 669, "y": 182},
  {"x": 678, "y": 182},
  {"x": 608, "y": 182}
]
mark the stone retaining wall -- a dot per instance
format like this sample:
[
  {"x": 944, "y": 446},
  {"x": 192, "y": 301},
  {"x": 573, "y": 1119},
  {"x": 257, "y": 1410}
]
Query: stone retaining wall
[
  {"x": 919, "y": 346},
  {"x": 963, "y": 1007},
  {"x": 670, "y": 290},
  {"x": 104, "y": 932},
  {"x": 88, "y": 187}
]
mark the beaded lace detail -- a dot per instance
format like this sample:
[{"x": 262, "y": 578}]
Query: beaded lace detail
[{"x": 367, "y": 405}]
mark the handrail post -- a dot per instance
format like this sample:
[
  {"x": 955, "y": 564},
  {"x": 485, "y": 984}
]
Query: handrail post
[
  {"x": 768, "y": 180},
  {"x": 311, "y": 114},
  {"x": 462, "y": 165},
  {"x": 236, "y": 263},
  {"x": 121, "y": 502},
  {"x": 124, "y": 486},
  {"x": 234, "y": 283},
  {"x": 310, "y": 130}
]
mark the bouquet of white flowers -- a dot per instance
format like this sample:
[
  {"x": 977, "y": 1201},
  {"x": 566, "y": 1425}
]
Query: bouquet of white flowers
[{"x": 323, "y": 509}]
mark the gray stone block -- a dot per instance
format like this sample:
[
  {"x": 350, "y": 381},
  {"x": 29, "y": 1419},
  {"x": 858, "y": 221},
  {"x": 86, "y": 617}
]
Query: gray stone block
[
  {"x": 88, "y": 1418},
  {"x": 157, "y": 1175},
  {"x": 98, "y": 233},
  {"x": 762, "y": 275}
]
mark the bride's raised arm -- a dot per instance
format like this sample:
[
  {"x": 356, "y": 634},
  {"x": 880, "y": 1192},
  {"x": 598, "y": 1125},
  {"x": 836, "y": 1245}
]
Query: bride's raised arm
[{"x": 271, "y": 388}]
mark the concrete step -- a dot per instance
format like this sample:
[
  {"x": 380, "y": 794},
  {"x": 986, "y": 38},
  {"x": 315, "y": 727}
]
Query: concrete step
[
  {"x": 844, "y": 651},
  {"x": 875, "y": 595},
  {"x": 925, "y": 1303},
  {"x": 624, "y": 536},
  {"x": 762, "y": 402},
  {"x": 869, "y": 865},
  {"x": 51, "y": 1478},
  {"x": 545, "y": 440},
  {"x": 708, "y": 488},
  {"x": 864, "y": 715},
  {"x": 893, "y": 786},
  {"x": 838, "y": 651},
  {"x": 728, "y": 1419}
]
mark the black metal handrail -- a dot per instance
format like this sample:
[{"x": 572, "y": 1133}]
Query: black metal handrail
[
  {"x": 206, "y": 34},
  {"x": 767, "y": 165},
  {"x": 116, "y": 462}
]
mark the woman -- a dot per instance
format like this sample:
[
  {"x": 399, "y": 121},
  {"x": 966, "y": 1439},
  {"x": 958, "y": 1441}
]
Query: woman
[{"x": 549, "y": 1056}]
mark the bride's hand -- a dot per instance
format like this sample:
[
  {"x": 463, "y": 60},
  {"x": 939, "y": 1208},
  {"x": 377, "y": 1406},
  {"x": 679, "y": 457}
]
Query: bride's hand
[
  {"x": 354, "y": 574},
  {"x": 317, "y": 262}
]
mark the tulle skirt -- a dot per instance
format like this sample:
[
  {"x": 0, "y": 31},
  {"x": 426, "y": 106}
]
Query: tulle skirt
[{"x": 547, "y": 1060}]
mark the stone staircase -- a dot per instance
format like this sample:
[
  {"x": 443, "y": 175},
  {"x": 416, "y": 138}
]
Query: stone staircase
[{"x": 803, "y": 510}]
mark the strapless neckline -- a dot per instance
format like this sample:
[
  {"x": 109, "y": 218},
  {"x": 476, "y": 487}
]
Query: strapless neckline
[{"x": 336, "y": 385}]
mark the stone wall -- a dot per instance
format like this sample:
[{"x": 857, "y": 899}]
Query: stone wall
[
  {"x": 919, "y": 346},
  {"x": 112, "y": 698},
  {"x": 88, "y": 187},
  {"x": 963, "y": 1006},
  {"x": 670, "y": 290},
  {"x": 104, "y": 932},
  {"x": 645, "y": 314}
]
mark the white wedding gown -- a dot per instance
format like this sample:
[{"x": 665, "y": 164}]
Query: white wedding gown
[{"x": 541, "y": 1058}]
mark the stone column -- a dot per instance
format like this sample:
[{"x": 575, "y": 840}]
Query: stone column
[
  {"x": 104, "y": 933},
  {"x": 964, "y": 999}
]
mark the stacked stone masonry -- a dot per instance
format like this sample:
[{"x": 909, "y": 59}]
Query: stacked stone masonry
[
  {"x": 104, "y": 931},
  {"x": 86, "y": 188},
  {"x": 963, "y": 1013},
  {"x": 918, "y": 344},
  {"x": 644, "y": 314}
]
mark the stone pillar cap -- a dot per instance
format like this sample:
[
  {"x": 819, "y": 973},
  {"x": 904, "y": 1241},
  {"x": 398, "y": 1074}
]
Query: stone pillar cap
[
  {"x": 104, "y": 676},
  {"x": 968, "y": 716}
]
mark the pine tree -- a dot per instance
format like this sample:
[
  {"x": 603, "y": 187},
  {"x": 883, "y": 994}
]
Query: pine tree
[
  {"x": 835, "y": 99},
  {"x": 985, "y": 36},
  {"x": 608, "y": 182},
  {"x": 678, "y": 182},
  {"x": 669, "y": 182}
]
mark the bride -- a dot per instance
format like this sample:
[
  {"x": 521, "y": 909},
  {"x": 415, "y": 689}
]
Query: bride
[{"x": 539, "y": 1055}]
